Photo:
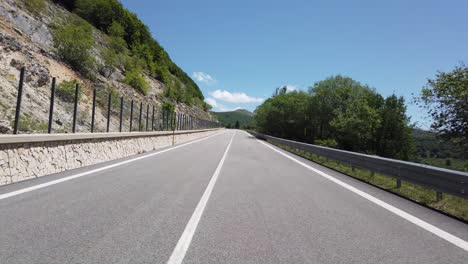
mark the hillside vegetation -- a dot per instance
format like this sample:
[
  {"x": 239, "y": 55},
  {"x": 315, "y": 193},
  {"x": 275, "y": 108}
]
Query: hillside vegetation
[
  {"x": 130, "y": 47},
  {"x": 97, "y": 45},
  {"x": 339, "y": 112},
  {"x": 230, "y": 118}
]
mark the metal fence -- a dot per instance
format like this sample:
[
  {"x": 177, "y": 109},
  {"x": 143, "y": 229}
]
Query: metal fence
[
  {"x": 438, "y": 179},
  {"x": 166, "y": 121}
]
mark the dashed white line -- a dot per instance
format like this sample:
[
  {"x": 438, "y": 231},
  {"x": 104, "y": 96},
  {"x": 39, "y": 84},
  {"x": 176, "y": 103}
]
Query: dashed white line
[
  {"x": 43, "y": 185},
  {"x": 185, "y": 239},
  {"x": 411, "y": 218}
]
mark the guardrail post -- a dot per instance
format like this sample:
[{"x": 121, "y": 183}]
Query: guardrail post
[
  {"x": 398, "y": 183},
  {"x": 139, "y": 118},
  {"x": 109, "y": 102},
  {"x": 439, "y": 196},
  {"x": 93, "y": 110},
  {"x": 121, "y": 113},
  {"x": 131, "y": 115},
  {"x": 51, "y": 108},
  {"x": 75, "y": 108},
  {"x": 18, "y": 101}
]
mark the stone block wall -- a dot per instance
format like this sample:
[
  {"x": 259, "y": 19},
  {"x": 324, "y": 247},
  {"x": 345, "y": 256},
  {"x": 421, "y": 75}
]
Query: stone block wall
[{"x": 26, "y": 160}]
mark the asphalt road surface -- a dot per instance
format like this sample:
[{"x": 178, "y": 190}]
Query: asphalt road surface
[{"x": 227, "y": 198}]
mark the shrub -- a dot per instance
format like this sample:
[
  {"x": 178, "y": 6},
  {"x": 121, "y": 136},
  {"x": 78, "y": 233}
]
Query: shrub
[
  {"x": 331, "y": 143},
  {"x": 136, "y": 80},
  {"x": 35, "y": 6},
  {"x": 168, "y": 106},
  {"x": 102, "y": 97},
  {"x": 66, "y": 91},
  {"x": 73, "y": 42}
]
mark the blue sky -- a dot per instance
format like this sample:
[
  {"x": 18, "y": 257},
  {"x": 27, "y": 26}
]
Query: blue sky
[{"x": 240, "y": 51}]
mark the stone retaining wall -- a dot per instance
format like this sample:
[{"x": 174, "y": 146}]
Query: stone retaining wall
[{"x": 28, "y": 156}]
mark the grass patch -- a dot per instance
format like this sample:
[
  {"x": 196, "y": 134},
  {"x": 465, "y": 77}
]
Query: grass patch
[
  {"x": 449, "y": 163},
  {"x": 28, "y": 124},
  {"x": 449, "y": 204}
]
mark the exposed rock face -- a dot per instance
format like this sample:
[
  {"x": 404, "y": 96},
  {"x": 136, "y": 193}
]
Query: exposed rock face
[
  {"x": 9, "y": 43},
  {"x": 5, "y": 127},
  {"x": 26, "y": 41}
]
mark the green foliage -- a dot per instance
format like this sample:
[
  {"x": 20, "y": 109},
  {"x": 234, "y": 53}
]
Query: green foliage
[
  {"x": 339, "y": 112},
  {"x": 135, "y": 79},
  {"x": 29, "y": 124},
  {"x": 35, "y": 6},
  {"x": 131, "y": 32},
  {"x": 168, "y": 107},
  {"x": 244, "y": 117},
  {"x": 66, "y": 91},
  {"x": 74, "y": 41},
  {"x": 446, "y": 100},
  {"x": 283, "y": 115},
  {"x": 102, "y": 97},
  {"x": 430, "y": 146},
  {"x": 331, "y": 143},
  {"x": 237, "y": 126}
]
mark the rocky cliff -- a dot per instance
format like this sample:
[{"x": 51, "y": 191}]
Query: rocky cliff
[{"x": 26, "y": 40}]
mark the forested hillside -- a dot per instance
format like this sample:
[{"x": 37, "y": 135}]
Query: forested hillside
[{"x": 230, "y": 118}]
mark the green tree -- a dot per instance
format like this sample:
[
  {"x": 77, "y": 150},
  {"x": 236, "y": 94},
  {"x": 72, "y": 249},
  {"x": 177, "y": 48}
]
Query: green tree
[
  {"x": 395, "y": 138},
  {"x": 446, "y": 100},
  {"x": 283, "y": 115},
  {"x": 236, "y": 126}
]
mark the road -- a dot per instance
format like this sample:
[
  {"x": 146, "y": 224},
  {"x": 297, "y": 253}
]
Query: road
[{"x": 227, "y": 198}]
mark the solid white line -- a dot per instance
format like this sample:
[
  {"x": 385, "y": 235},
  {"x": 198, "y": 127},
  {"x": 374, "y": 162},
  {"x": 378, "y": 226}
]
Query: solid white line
[
  {"x": 43, "y": 185},
  {"x": 185, "y": 239},
  {"x": 434, "y": 230}
]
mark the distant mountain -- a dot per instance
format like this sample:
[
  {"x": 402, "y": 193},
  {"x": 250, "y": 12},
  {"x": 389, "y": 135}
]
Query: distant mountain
[{"x": 229, "y": 118}]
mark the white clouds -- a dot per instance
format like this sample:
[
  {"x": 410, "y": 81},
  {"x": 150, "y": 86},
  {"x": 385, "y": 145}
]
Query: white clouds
[
  {"x": 203, "y": 77},
  {"x": 220, "y": 107},
  {"x": 241, "y": 98},
  {"x": 291, "y": 88},
  {"x": 211, "y": 102}
]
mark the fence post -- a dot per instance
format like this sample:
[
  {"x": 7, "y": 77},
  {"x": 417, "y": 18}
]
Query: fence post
[
  {"x": 121, "y": 113},
  {"x": 93, "y": 111},
  {"x": 439, "y": 196},
  {"x": 398, "y": 183},
  {"x": 147, "y": 116},
  {"x": 51, "y": 108},
  {"x": 109, "y": 102},
  {"x": 139, "y": 118},
  {"x": 75, "y": 108},
  {"x": 152, "y": 120},
  {"x": 131, "y": 115},
  {"x": 18, "y": 101}
]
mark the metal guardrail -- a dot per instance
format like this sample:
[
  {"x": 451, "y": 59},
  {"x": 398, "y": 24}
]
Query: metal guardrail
[{"x": 439, "y": 179}]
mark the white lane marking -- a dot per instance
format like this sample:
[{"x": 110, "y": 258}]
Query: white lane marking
[
  {"x": 46, "y": 184},
  {"x": 413, "y": 219},
  {"x": 185, "y": 239}
]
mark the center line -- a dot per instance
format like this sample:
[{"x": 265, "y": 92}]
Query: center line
[{"x": 182, "y": 246}]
